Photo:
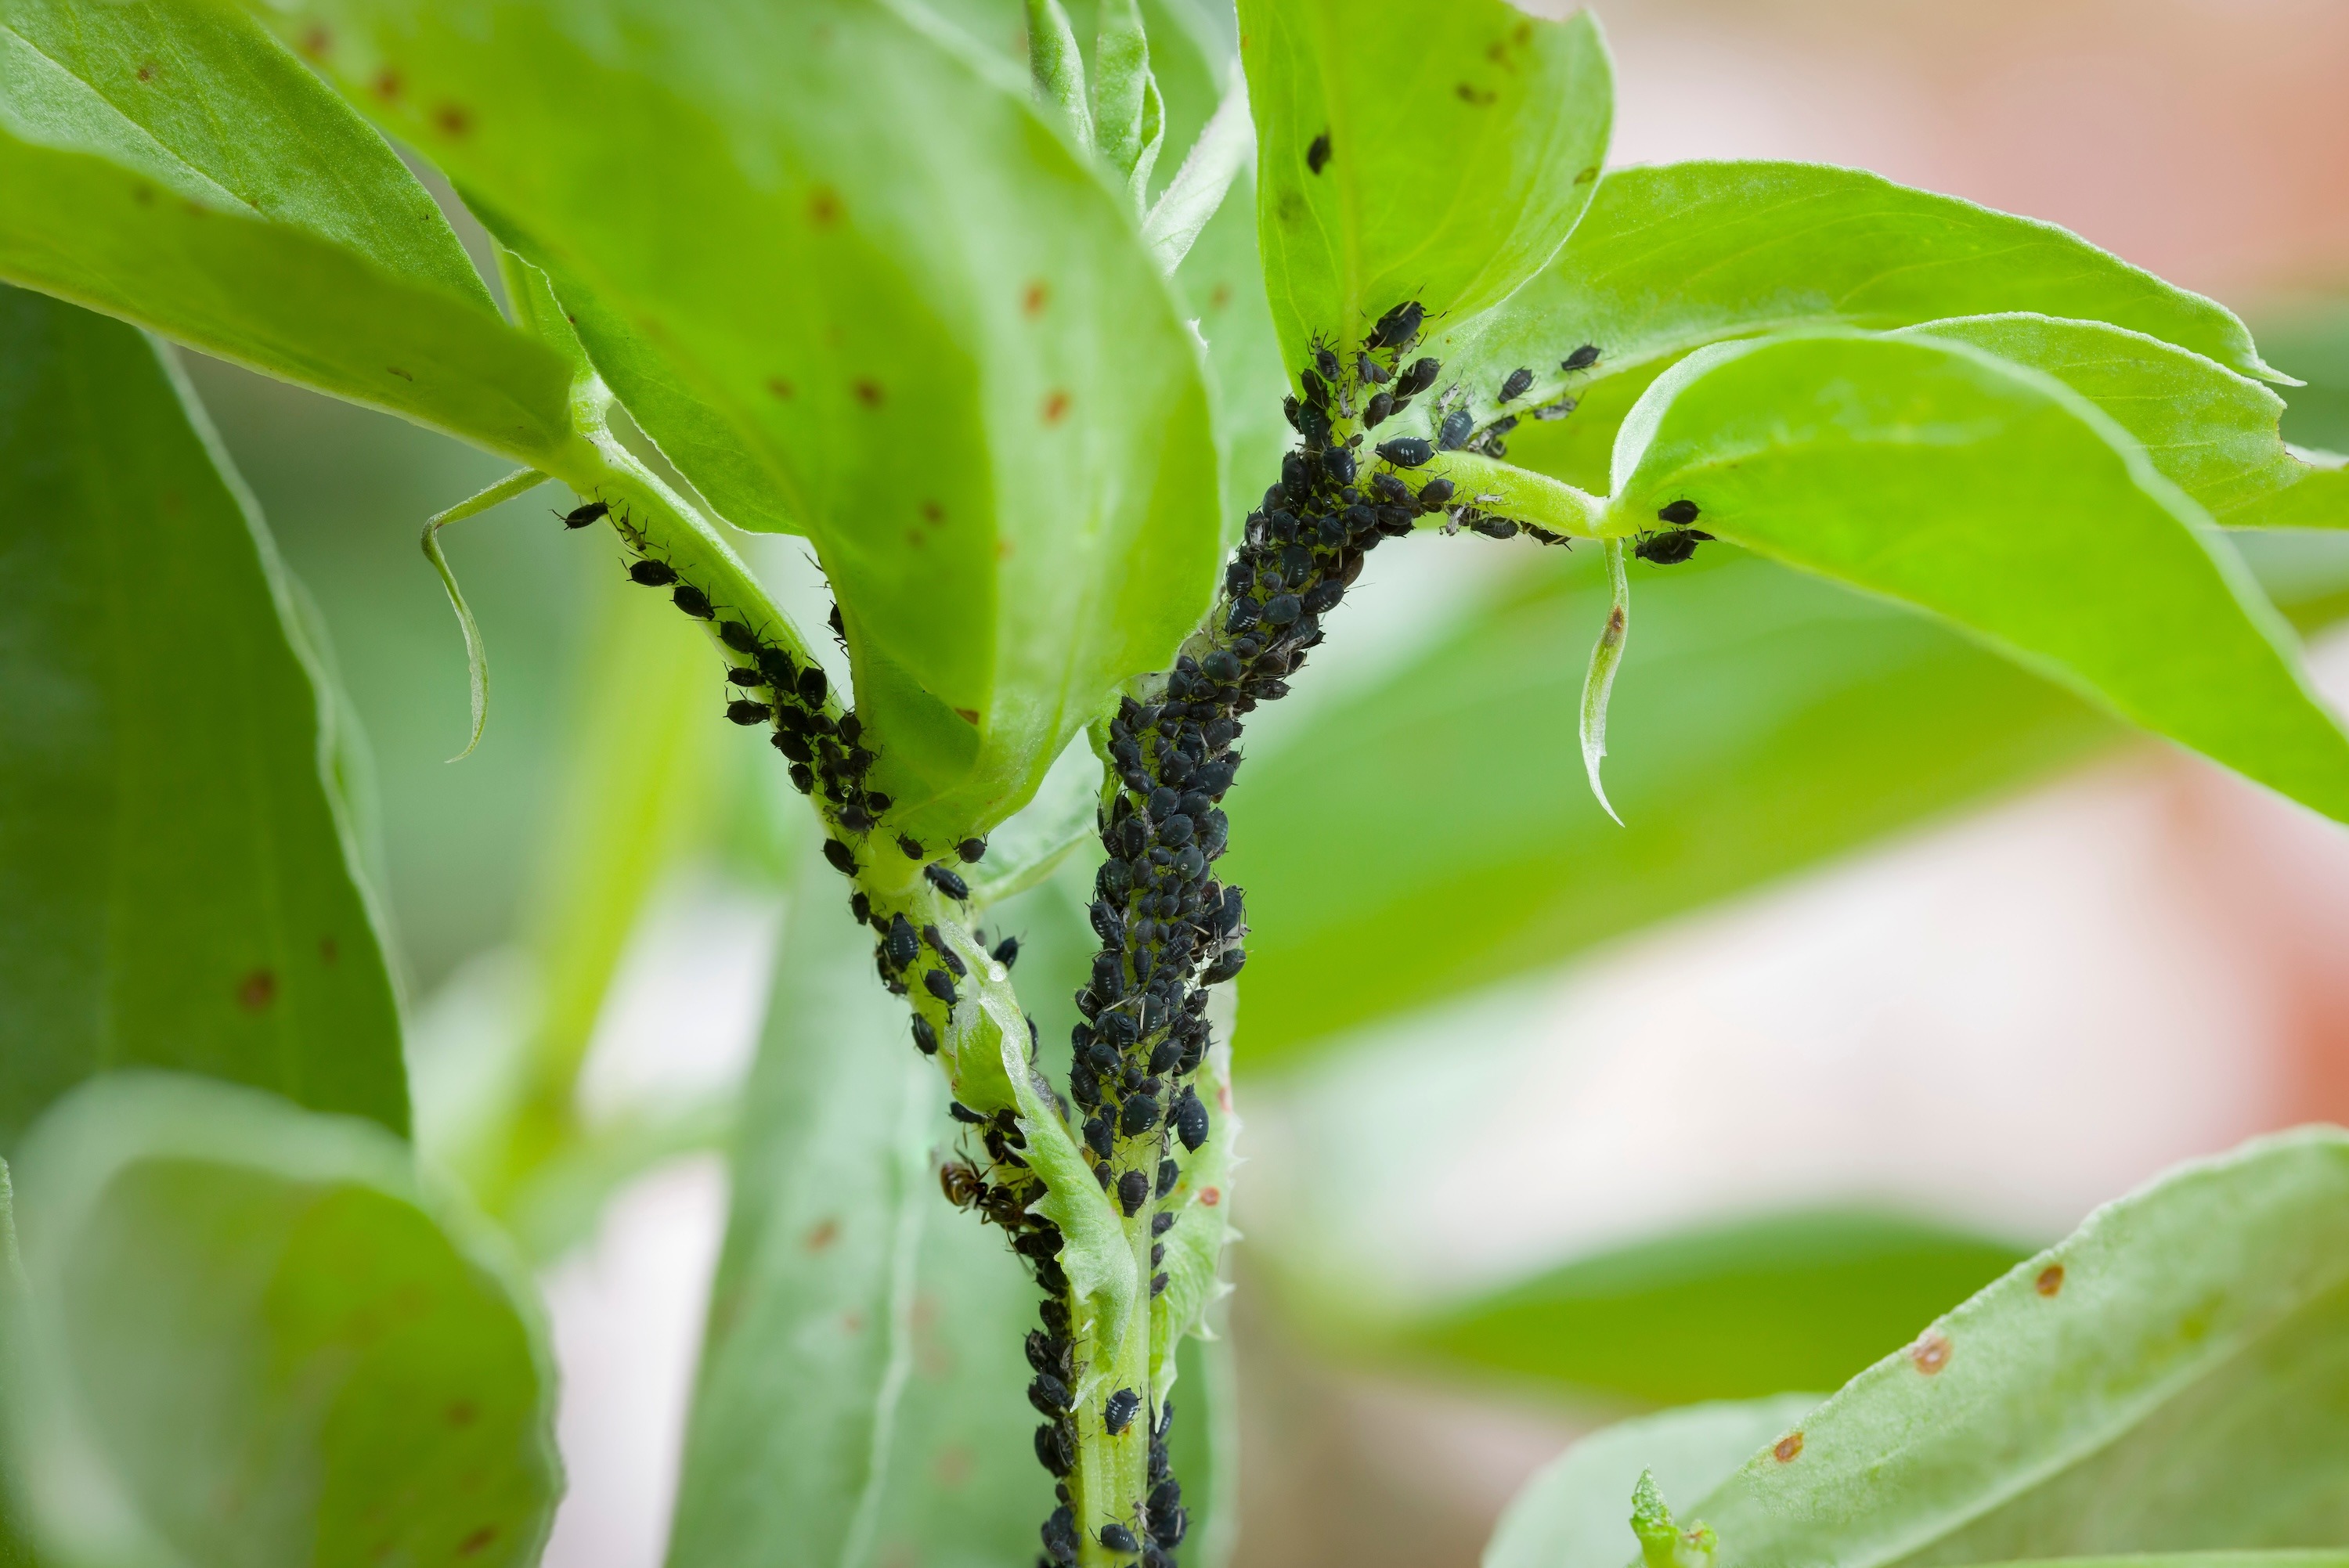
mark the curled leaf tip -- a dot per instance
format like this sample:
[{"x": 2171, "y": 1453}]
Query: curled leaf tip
[
  {"x": 477, "y": 658},
  {"x": 1599, "y": 684}
]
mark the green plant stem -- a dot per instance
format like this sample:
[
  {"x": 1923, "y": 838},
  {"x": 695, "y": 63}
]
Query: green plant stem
[{"x": 477, "y": 656}]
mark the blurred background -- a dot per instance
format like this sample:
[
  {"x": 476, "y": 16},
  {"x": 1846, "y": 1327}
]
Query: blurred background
[{"x": 1904, "y": 962}]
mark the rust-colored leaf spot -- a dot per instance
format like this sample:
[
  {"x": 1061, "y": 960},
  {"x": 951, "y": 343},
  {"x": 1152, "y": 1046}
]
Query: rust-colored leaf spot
[
  {"x": 852, "y": 1323},
  {"x": 823, "y": 207},
  {"x": 1931, "y": 1352},
  {"x": 476, "y": 1541},
  {"x": 1055, "y": 405},
  {"x": 869, "y": 393},
  {"x": 954, "y": 1465},
  {"x": 396, "y": 370},
  {"x": 143, "y": 194},
  {"x": 1615, "y": 621},
  {"x": 968, "y": 715},
  {"x": 1224, "y": 1097},
  {"x": 463, "y": 1413},
  {"x": 453, "y": 120},
  {"x": 147, "y": 69},
  {"x": 2050, "y": 1280},
  {"x": 917, "y": 539},
  {"x": 1038, "y": 294},
  {"x": 932, "y": 513},
  {"x": 1784, "y": 1449},
  {"x": 781, "y": 389},
  {"x": 329, "y": 951},
  {"x": 1220, "y": 297},
  {"x": 1478, "y": 95},
  {"x": 317, "y": 41},
  {"x": 822, "y": 1236},
  {"x": 387, "y": 84},
  {"x": 1211, "y": 1196},
  {"x": 1003, "y": 548},
  {"x": 256, "y": 990}
]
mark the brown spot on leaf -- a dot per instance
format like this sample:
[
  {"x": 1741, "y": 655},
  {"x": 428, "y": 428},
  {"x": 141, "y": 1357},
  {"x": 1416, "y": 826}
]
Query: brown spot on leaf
[
  {"x": 453, "y": 120},
  {"x": 476, "y": 1541},
  {"x": 2050, "y": 1280},
  {"x": 954, "y": 1465},
  {"x": 777, "y": 387},
  {"x": 143, "y": 194},
  {"x": 1211, "y": 1196},
  {"x": 1055, "y": 404},
  {"x": 918, "y": 538},
  {"x": 1038, "y": 295},
  {"x": 396, "y": 370},
  {"x": 1786, "y": 1448},
  {"x": 822, "y": 1236},
  {"x": 852, "y": 1322},
  {"x": 256, "y": 990},
  {"x": 868, "y": 392},
  {"x": 823, "y": 207},
  {"x": 1220, "y": 297},
  {"x": 387, "y": 84},
  {"x": 1003, "y": 548},
  {"x": 328, "y": 950},
  {"x": 1586, "y": 175},
  {"x": 1479, "y": 96},
  {"x": 968, "y": 715},
  {"x": 462, "y": 1413},
  {"x": 932, "y": 513},
  {"x": 317, "y": 41},
  {"x": 1931, "y": 1352},
  {"x": 147, "y": 69},
  {"x": 1615, "y": 621}
]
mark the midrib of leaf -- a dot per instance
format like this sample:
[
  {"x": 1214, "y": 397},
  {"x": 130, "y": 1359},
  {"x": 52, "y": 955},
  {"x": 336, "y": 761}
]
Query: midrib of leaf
[
  {"x": 192, "y": 181},
  {"x": 2122, "y": 1421},
  {"x": 904, "y": 1258}
]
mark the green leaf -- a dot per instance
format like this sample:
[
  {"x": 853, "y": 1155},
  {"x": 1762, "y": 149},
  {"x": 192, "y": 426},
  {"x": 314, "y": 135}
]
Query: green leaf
[
  {"x": 860, "y": 1394},
  {"x": 177, "y": 882},
  {"x": 2171, "y": 1376},
  {"x": 1722, "y": 1311},
  {"x": 898, "y": 295},
  {"x": 1441, "y": 151},
  {"x": 1673, "y": 257},
  {"x": 1572, "y": 1515},
  {"x": 2212, "y": 433},
  {"x": 251, "y": 1338},
  {"x": 1955, "y": 481},
  {"x": 1222, "y": 283},
  {"x": 174, "y": 165}
]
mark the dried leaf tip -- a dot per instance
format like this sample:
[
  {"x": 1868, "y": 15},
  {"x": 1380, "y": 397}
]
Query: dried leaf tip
[{"x": 1662, "y": 1543}]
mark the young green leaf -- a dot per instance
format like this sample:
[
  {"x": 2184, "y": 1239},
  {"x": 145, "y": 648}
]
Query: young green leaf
[
  {"x": 1123, "y": 94},
  {"x": 1600, "y": 683},
  {"x": 1198, "y": 188},
  {"x": 1571, "y": 1512},
  {"x": 926, "y": 318},
  {"x": 174, "y": 165},
  {"x": 1222, "y": 280},
  {"x": 2168, "y": 1377},
  {"x": 1673, "y": 257},
  {"x": 477, "y": 657},
  {"x": 860, "y": 1390},
  {"x": 2212, "y": 433},
  {"x": 1948, "y": 479},
  {"x": 251, "y": 1337},
  {"x": 1441, "y": 152},
  {"x": 1058, "y": 69},
  {"x": 176, "y": 882}
]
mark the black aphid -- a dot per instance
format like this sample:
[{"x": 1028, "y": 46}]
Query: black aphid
[
  {"x": 1006, "y": 951},
  {"x": 1169, "y": 1174},
  {"x": 1582, "y": 358},
  {"x": 581, "y": 516},
  {"x": 1118, "y": 1537},
  {"x": 843, "y": 858},
  {"x": 1454, "y": 434},
  {"x": 939, "y": 984},
  {"x": 1678, "y": 514},
  {"x": 693, "y": 602},
  {"x": 1191, "y": 1119},
  {"x": 1316, "y": 156},
  {"x": 1056, "y": 1450},
  {"x": 1405, "y": 451},
  {"x": 652, "y": 573},
  {"x": 965, "y": 1115},
  {"x": 926, "y": 1038},
  {"x": 1514, "y": 387},
  {"x": 1118, "y": 1412},
  {"x": 1132, "y": 1190},
  {"x": 1398, "y": 328},
  {"x": 971, "y": 849},
  {"x": 1670, "y": 547},
  {"x": 948, "y": 883},
  {"x": 742, "y": 710},
  {"x": 738, "y": 637},
  {"x": 1417, "y": 377}
]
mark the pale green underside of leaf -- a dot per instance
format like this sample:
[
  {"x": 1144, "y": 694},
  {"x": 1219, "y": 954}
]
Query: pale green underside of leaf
[
  {"x": 298, "y": 245},
  {"x": 176, "y": 884},
  {"x": 1576, "y": 1511},
  {"x": 254, "y": 1340},
  {"x": 929, "y": 324},
  {"x": 1955, "y": 481},
  {"x": 1458, "y": 141},
  {"x": 1672, "y": 257},
  {"x": 2174, "y": 1375}
]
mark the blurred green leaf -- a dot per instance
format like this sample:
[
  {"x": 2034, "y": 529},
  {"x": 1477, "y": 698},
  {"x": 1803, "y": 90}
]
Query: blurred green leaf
[
  {"x": 859, "y": 1398},
  {"x": 1951, "y": 480},
  {"x": 1673, "y": 257},
  {"x": 1437, "y": 151},
  {"x": 177, "y": 886},
  {"x": 251, "y": 1339},
  {"x": 1576, "y": 1511},
  {"x": 1722, "y": 1311},
  {"x": 2212, "y": 433},
  {"x": 174, "y": 165},
  {"x": 932, "y": 325},
  {"x": 2174, "y": 1375}
]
